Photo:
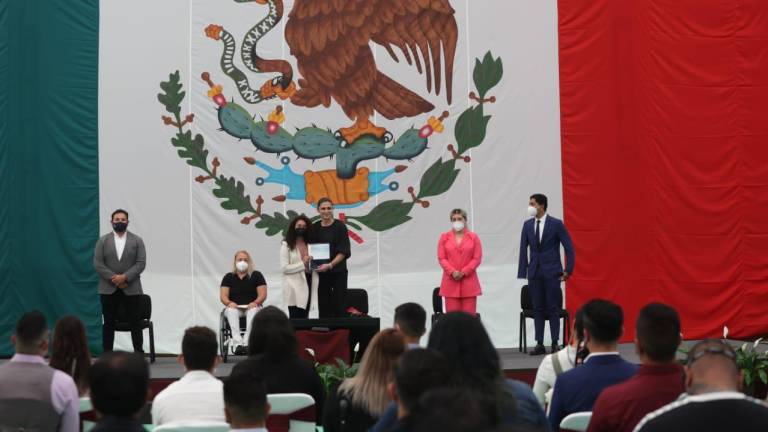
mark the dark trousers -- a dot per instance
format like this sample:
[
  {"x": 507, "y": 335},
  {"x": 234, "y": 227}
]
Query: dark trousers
[
  {"x": 332, "y": 294},
  {"x": 297, "y": 312},
  {"x": 110, "y": 304},
  {"x": 547, "y": 301}
]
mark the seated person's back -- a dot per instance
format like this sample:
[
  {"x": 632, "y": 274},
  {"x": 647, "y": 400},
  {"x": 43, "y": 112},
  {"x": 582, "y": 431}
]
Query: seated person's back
[
  {"x": 198, "y": 395},
  {"x": 34, "y": 396},
  {"x": 577, "y": 389},
  {"x": 273, "y": 354}
]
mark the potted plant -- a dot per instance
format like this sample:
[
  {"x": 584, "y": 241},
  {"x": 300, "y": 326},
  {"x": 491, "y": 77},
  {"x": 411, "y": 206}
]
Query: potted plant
[{"x": 754, "y": 366}]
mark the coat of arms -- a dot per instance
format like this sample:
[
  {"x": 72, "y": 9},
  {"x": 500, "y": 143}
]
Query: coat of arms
[{"x": 331, "y": 43}]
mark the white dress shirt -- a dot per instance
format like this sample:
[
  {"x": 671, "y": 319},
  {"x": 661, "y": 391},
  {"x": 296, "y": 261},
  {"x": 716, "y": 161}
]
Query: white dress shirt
[
  {"x": 197, "y": 396},
  {"x": 545, "y": 376},
  {"x": 541, "y": 226},
  {"x": 64, "y": 396},
  {"x": 120, "y": 244}
]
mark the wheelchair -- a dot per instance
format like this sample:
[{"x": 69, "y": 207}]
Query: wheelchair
[{"x": 225, "y": 333}]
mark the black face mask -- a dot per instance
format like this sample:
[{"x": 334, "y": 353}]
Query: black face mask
[
  {"x": 120, "y": 227},
  {"x": 301, "y": 232}
]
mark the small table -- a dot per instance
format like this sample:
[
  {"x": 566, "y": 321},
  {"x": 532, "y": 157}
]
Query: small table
[{"x": 361, "y": 330}]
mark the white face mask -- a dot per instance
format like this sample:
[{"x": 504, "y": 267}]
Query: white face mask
[
  {"x": 241, "y": 266},
  {"x": 531, "y": 211},
  {"x": 457, "y": 225}
]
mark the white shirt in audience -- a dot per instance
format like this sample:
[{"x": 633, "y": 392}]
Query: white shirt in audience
[
  {"x": 198, "y": 396},
  {"x": 545, "y": 376}
]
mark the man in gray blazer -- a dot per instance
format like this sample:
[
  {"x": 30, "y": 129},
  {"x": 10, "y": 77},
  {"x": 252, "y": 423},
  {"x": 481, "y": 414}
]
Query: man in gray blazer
[{"x": 119, "y": 258}]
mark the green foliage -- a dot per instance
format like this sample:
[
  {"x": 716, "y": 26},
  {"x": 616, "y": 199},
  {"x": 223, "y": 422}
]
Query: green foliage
[
  {"x": 386, "y": 215},
  {"x": 753, "y": 363},
  {"x": 172, "y": 94},
  {"x": 438, "y": 178},
  {"x": 487, "y": 73},
  {"x": 193, "y": 150},
  {"x": 470, "y": 128},
  {"x": 274, "y": 224},
  {"x": 333, "y": 374},
  {"x": 232, "y": 191}
]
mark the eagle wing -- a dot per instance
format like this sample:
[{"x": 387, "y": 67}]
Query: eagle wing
[{"x": 330, "y": 40}]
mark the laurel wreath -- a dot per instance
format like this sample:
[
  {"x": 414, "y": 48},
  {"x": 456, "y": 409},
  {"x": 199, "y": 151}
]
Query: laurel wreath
[{"x": 470, "y": 132}]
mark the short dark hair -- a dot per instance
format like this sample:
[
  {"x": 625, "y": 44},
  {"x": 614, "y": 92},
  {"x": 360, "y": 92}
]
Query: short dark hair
[
  {"x": 658, "y": 331},
  {"x": 418, "y": 371},
  {"x": 452, "y": 409},
  {"x": 290, "y": 234},
  {"x": 245, "y": 396},
  {"x": 119, "y": 211},
  {"x": 323, "y": 200},
  {"x": 540, "y": 199},
  {"x": 603, "y": 320},
  {"x": 272, "y": 334},
  {"x": 199, "y": 348},
  {"x": 30, "y": 329},
  {"x": 411, "y": 318},
  {"x": 119, "y": 383}
]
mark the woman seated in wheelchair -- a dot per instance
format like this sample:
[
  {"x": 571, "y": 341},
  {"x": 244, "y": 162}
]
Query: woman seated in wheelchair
[{"x": 243, "y": 292}]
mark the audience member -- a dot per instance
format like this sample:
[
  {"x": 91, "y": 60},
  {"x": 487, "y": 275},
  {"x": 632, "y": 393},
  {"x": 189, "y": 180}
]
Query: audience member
[
  {"x": 474, "y": 365},
  {"x": 273, "y": 354},
  {"x": 69, "y": 351},
  {"x": 245, "y": 401},
  {"x": 714, "y": 402},
  {"x": 658, "y": 382},
  {"x": 454, "y": 409},
  {"x": 33, "y": 395},
  {"x": 417, "y": 372},
  {"x": 359, "y": 401},
  {"x": 555, "y": 364},
  {"x": 577, "y": 389},
  {"x": 197, "y": 396},
  {"x": 411, "y": 321},
  {"x": 119, "y": 384}
]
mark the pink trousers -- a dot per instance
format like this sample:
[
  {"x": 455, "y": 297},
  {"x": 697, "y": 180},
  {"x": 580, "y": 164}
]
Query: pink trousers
[{"x": 463, "y": 304}]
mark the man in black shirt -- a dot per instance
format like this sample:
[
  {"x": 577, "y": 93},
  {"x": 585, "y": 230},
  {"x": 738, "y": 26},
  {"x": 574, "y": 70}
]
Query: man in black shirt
[
  {"x": 713, "y": 402},
  {"x": 332, "y": 287}
]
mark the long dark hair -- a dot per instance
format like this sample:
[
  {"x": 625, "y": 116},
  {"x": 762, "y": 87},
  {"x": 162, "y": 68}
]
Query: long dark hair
[
  {"x": 272, "y": 335},
  {"x": 290, "y": 235},
  {"x": 69, "y": 352}
]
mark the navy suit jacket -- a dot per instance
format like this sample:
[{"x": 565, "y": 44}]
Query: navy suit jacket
[
  {"x": 577, "y": 389},
  {"x": 546, "y": 257}
]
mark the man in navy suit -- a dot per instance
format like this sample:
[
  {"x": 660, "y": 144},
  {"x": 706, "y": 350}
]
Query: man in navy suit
[
  {"x": 544, "y": 234},
  {"x": 577, "y": 389}
]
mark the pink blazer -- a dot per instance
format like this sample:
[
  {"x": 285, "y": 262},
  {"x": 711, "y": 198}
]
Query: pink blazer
[{"x": 465, "y": 258}]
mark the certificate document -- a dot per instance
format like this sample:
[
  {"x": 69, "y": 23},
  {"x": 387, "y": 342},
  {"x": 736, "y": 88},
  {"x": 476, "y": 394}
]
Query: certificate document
[{"x": 320, "y": 251}]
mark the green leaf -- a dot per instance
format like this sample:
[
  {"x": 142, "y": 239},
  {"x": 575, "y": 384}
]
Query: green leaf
[
  {"x": 386, "y": 215},
  {"x": 470, "y": 128},
  {"x": 273, "y": 224},
  {"x": 232, "y": 191},
  {"x": 193, "y": 150},
  {"x": 763, "y": 376},
  {"x": 438, "y": 178},
  {"x": 172, "y": 94},
  {"x": 487, "y": 73}
]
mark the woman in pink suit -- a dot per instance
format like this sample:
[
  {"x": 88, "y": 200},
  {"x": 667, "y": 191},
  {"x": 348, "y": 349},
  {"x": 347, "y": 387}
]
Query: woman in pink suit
[{"x": 459, "y": 252}]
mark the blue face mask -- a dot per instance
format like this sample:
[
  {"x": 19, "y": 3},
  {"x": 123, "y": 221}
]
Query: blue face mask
[{"x": 120, "y": 227}]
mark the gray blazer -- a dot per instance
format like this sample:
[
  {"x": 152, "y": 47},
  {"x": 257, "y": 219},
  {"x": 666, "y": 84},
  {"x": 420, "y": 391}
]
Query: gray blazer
[{"x": 131, "y": 264}]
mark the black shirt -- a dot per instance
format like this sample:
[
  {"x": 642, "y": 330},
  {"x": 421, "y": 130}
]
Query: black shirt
[
  {"x": 356, "y": 418},
  {"x": 699, "y": 414},
  {"x": 336, "y": 235},
  {"x": 243, "y": 291},
  {"x": 288, "y": 375}
]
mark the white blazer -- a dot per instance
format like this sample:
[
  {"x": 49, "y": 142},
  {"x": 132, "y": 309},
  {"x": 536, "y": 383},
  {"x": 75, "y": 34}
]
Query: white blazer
[{"x": 295, "y": 289}]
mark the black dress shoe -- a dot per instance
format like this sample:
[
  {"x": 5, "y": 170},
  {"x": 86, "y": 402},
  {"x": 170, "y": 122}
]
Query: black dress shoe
[
  {"x": 539, "y": 350},
  {"x": 555, "y": 348},
  {"x": 240, "y": 350}
]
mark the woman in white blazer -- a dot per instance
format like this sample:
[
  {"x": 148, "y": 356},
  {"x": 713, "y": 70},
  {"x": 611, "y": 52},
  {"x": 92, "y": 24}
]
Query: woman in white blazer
[{"x": 299, "y": 282}]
